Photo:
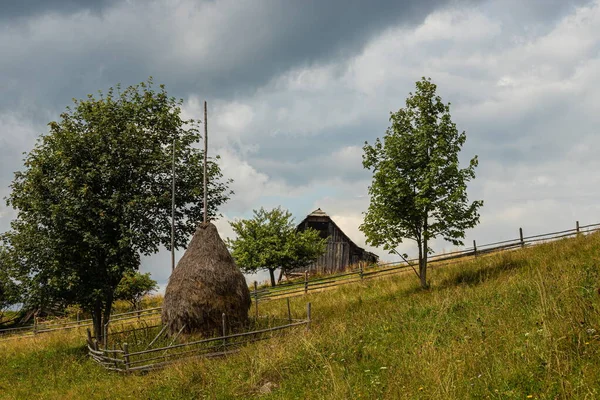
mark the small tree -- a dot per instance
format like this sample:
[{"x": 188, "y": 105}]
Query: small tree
[
  {"x": 96, "y": 195},
  {"x": 418, "y": 191},
  {"x": 134, "y": 286},
  {"x": 270, "y": 240}
]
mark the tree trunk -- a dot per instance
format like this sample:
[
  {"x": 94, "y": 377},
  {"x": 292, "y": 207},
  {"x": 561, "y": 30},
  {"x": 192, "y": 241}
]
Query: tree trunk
[
  {"x": 272, "y": 274},
  {"x": 97, "y": 320},
  {"x": 423, "y": 267},
  {"x": 423, "y": 258}
]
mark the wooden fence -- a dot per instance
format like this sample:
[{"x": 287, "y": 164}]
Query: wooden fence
[
  {"x": 56, "y": 325},
  {"x": 302, "y": 287},
  {"x": 126, "y": 359}
]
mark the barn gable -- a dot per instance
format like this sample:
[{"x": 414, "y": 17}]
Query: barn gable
[{"x": 341, "y": 251}]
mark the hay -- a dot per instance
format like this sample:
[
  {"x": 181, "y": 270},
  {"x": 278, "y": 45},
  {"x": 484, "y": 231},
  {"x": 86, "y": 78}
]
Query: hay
[{"x": 205, "y": 284}]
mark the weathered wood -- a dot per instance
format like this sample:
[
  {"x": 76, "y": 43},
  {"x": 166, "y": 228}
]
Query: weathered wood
[
  {"x": 256, "y": 299},
  {"x": 474, "y": 248},
  {"x": 224, "y": 330},
  {"x": 204, "y": 177},
  {"x": 577, "y": 226},
  {"x": 289, "y": 310},
  {"x": 308, "y": 316},
  {"x": 521, "y": 236},
  {"x": 306, "y": 281},
  {"x": 126, "y": 355}
]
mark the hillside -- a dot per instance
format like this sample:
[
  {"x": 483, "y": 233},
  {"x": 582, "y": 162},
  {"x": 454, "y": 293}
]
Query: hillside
[{"x": 520, "y": 324}]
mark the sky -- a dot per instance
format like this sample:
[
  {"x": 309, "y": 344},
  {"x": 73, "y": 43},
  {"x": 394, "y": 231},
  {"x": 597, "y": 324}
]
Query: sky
[{"x": 295, "y": 89}]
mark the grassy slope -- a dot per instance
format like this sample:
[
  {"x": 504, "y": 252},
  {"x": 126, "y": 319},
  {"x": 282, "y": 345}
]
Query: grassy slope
[{"x": 512, "y": 325}]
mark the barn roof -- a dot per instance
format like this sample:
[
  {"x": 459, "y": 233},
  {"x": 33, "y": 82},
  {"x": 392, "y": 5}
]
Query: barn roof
[{"x": 320, "y": 213}]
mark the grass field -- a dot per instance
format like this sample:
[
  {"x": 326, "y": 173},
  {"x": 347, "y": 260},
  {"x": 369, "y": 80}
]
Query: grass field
[{"x": 515, "y": 325}]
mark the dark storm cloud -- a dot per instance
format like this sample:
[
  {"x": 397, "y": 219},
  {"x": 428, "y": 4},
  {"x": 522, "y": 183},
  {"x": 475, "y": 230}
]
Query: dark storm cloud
[
  {"x": 249, "y": 44},
  {"x": 18, "y": 9}
]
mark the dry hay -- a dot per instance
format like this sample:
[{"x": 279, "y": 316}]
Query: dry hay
[{"x": 205, "y": 284}]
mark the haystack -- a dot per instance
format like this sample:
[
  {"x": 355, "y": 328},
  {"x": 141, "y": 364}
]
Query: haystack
[{"x": 205, "y": 284}]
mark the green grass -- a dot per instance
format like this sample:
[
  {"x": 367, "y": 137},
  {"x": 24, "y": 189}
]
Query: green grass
[{"x": 507, "y": 326}]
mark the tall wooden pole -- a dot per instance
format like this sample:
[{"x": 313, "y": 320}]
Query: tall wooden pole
[
  {"x": 205, "y": 158},
  {"x": 173, "y": 210}
]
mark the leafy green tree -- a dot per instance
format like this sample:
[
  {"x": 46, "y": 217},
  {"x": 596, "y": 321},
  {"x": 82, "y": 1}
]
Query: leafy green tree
[
  {"x": 96, "y": 194},
  {"x": 134, "y": 286},
  {"x": 270, "y": 240},
  {"x": 418, "y": 191},
  {"x": 10, "y": 294}
]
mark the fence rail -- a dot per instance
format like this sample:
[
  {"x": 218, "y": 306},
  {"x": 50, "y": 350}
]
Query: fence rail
[
  {"x": 124, "y": 360},
  {"x": 318, "y": 283},
  {"x": 360, "y": 274}
]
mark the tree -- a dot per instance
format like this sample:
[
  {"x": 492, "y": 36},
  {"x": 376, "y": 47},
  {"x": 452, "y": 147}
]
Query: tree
[
  {"x": 9, "y": 289},
  {"x": 270, "y": 240},
  {"x": 418, "y": 191},
  {"x": 134, "y": 286},
  {"x": 96, "y": 194}
]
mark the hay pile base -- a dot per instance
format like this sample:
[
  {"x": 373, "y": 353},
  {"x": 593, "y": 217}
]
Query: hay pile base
[{"x": 205, "y": 284}]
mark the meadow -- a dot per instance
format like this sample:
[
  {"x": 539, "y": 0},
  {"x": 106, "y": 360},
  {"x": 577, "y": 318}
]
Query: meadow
[{"x": 514, "y": 325}]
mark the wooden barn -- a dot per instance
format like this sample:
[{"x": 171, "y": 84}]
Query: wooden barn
[{"x": 341, "y": 252}]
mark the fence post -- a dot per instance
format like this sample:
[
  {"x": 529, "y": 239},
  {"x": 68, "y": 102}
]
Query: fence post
[
  {"x": 256, "y": 298},
  {"x": 35, "y": 323},
  {"x": 305, "y": 281},
  {"x": 289, "y": 310},
  {"x": 224, "y": 329},
  {"x": 521, "y": 236},
  {"x": 114, "y": 347},
  {"x": 78, "y": 317},
  {"x": 89, "y": 338},
  {"x": 106, "y": 336},
  {"x": 474, "y": 248},
  {"x": 308, "y": 316},
  {"x": 126, "y": 356},
  {"x": 577, "y": 226},
  {"x": 361, "y": 272}
]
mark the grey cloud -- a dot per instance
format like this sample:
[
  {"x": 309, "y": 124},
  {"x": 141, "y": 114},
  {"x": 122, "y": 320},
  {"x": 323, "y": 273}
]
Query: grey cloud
[
  {"x": 242, "y": 44},
  {"x": 17, "y": 9}
]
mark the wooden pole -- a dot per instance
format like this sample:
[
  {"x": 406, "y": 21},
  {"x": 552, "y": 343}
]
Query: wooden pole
[
  {"x": 224, "y": 329},
  {"x": 126, "y": 355},
  {"x": 173, "y": 210},
  {"x": 305, "y": 281},
  {"x": 521, "y": 236},
  {"x": 361, "y": 272},
  {"x": 105, "y": 336},
  {"x": 89, "y": 338},
  {"x": 308, "y": 316},
  {"x": 474, "y": 248},
  {"x": 289, "y": 310},
  {"x": 256, "y": 298},
  {"x": 577, "y": 226},
  {"x": 205, "y": 160}
]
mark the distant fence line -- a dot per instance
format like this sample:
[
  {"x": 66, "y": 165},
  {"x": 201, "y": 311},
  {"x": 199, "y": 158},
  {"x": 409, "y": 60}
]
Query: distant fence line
[
  {"x": 301, "y": 287},
  {"x": 51, "y": 326}
]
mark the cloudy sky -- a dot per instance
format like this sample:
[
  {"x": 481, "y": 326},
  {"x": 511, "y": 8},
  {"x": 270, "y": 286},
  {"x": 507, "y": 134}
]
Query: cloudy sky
[{"x": 296, "y": 88}]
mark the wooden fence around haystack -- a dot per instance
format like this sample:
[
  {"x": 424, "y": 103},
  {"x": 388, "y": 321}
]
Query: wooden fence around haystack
[{"x": 123, "y": 359}]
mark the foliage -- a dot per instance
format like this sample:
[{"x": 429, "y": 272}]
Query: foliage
[
  {"x": 96, "y": 194},
  {"x": 418, "y": 191},
  {"x": 512, "y": 325},
  {"x": 134, "y": 286},
  {"x": 270, "y": 240},
  {"x": 9, "y": 289}
]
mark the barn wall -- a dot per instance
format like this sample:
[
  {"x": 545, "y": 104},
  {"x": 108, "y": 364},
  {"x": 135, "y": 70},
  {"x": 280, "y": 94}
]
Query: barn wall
[{"x": 340, "y": 251}]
